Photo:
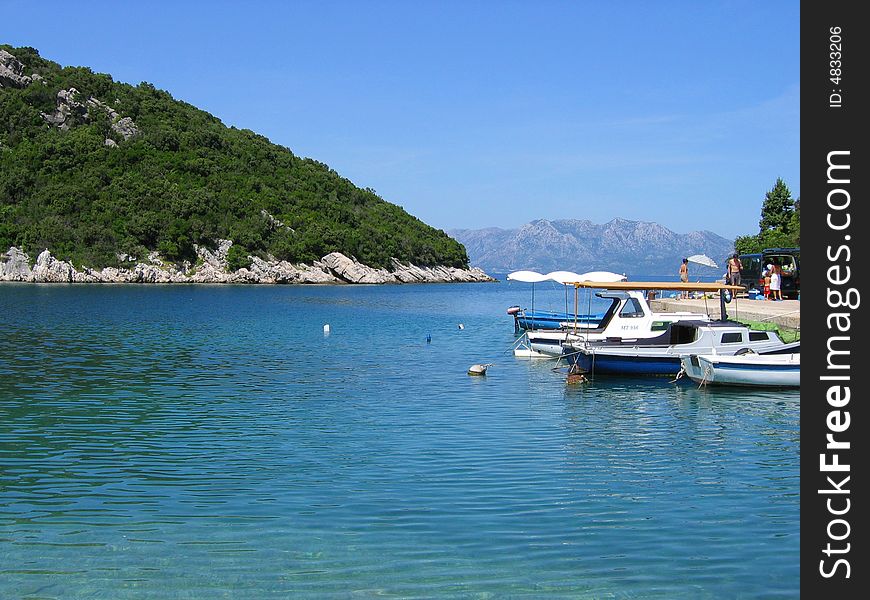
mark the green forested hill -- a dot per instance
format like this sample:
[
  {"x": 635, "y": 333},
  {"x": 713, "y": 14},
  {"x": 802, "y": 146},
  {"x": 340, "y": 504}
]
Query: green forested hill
[{"x": 88, "y": 191}]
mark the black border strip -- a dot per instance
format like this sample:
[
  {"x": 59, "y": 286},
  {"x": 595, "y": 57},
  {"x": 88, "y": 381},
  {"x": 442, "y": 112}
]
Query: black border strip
[{"x": 833, "y": 253}]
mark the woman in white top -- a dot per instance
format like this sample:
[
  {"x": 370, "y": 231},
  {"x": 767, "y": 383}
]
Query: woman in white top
[{"x": 776, "y": 282}]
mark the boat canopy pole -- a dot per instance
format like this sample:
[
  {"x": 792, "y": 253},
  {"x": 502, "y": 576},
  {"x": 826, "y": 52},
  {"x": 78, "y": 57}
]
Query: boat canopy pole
[
  {"x": 576, "y": 306},
  {"x": 566, "y": 303},
  {"x": 532, "y": 322}
]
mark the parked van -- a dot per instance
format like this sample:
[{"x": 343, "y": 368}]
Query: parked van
[{"x": 754, "y": 265}]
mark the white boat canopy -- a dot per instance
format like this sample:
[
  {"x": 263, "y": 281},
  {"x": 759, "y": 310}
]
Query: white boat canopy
[
  {"x": 527, "y": 276},
  {"x": 564, "y": 277},
  {"x": 601, "y": 277}
]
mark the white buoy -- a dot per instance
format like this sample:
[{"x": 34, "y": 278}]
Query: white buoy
[
  {"x": 326, "y": 329},
  {"x": 478, "y": 369},
  {"x": 461, "y": 326}
]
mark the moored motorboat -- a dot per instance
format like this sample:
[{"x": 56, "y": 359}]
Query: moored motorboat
[
  {"x": 529, "y": 319},
  {"x": 661, "y": 355},
  {"x": 629, "y": 316},
  {"x": 748, "y": 369}
]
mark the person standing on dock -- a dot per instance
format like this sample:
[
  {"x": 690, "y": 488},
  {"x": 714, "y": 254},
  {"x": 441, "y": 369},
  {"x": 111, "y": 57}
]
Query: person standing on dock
[
  {"x": 684, "y": 277},
  {"x": 734, "y": 266},
  {"x": 776, "y": 281}
]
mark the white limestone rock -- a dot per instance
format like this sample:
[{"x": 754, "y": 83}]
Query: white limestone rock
[
  {"x": 208, "y": 273},
  {"x": 216, "y": 258},
  {"x": 125, "y": 127},
  {"x": 353, "y": 271},
  {"x": 67, "y": 110},
  {"x": 15, "y": 265},
  {"x": 87, "y": 275},
  {"x": 333, "y": 268},
  {"x": 48, "y": 269},
  {"x": 12, "y": 72},
  {"x": 316, "y": 273}
]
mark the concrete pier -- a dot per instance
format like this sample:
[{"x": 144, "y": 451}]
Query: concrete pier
[{"x": 785, "y": 313}]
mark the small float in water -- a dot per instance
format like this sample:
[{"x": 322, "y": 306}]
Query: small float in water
[
  {"x": 479, "y": 369},
  {"x": 576, "y": 375}
]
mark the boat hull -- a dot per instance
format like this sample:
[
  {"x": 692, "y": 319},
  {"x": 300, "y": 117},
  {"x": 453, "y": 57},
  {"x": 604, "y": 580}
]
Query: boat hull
[
  {"x": 529, "y": 321},
  {"x": 625, "y": 364},
  {"x": 775, "y": 370},
  {"x": 651, "y": 358}
]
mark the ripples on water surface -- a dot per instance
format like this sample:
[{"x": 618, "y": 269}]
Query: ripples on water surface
[{"x": 211, "y": 441}]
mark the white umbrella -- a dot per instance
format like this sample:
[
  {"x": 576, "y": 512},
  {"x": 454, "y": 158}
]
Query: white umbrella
[
  {"x": 601, "y": 277},
  {"x": 703, "y": 259}
]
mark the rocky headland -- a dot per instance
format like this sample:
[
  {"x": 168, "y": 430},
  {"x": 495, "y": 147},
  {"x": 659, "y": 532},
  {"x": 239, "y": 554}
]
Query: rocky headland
[
  {"x": 99, "y": 169},
  {"x": 211, "y": 267}
]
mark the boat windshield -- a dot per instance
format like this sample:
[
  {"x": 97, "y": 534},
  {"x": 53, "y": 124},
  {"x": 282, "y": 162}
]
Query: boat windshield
[
  {"x": 615, "y": 300},
  {"x": 631, "y": 309}
]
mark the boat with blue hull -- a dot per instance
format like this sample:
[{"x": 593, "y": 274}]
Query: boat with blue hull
[
  {"x": 662, "y": 355},
  {"x": 753, "y": 370},
  {"x": 528, "y": 320},
  {"x": 628, "y": 316},
  {"x": 532, "y": 320}
]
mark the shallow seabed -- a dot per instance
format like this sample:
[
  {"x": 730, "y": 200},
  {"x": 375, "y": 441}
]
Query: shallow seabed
[{"x": 213, "y": 442}]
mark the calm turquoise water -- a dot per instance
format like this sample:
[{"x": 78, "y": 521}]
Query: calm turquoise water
[{"x": 212, "y": 442}]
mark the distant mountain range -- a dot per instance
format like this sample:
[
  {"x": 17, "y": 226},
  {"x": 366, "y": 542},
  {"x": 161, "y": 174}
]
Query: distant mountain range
[{"x": 636, "y": 248}]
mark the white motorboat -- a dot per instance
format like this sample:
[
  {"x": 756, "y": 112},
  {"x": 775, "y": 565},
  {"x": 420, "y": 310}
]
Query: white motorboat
[
  {"x": 749, "y": 369},
  {"x": 629, "y": 316},
  {"x": 661, "y": 355}
]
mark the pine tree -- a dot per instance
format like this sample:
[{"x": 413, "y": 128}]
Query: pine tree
[{"x": 776, "y": 212}]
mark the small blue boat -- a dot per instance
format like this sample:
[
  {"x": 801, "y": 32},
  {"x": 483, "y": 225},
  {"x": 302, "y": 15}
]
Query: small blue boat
[
  {"x": 530, "y": 320},
  {"x": 544, "y": 319}
]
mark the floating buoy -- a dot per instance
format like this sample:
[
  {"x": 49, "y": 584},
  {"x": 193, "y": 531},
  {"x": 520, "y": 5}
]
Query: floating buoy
[
  {"x": 326, "y": 329},
  {"x": 574, "y": 378},
  {"x": 461, "y": 326},
  {"x": 576, "y": 375},
  {"x": 478, "y": 369}
]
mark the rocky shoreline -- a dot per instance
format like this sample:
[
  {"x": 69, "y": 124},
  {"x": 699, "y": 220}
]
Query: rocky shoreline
[{"x": 211, "y": 267}]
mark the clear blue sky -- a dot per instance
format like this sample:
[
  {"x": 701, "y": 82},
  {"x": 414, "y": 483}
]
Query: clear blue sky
[{"x": 476, "y": 114}]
